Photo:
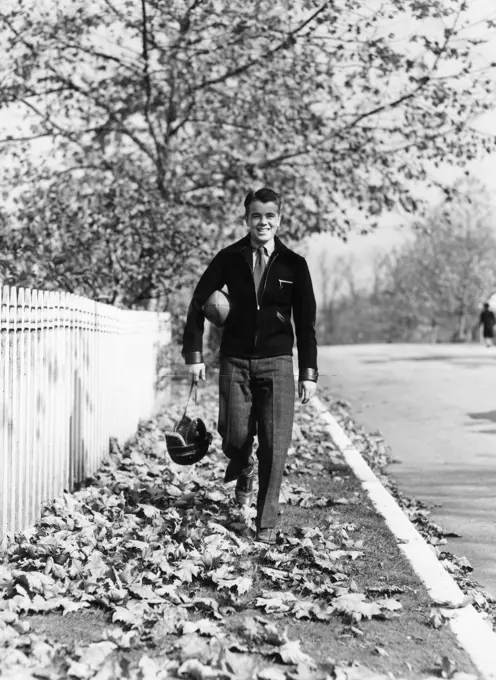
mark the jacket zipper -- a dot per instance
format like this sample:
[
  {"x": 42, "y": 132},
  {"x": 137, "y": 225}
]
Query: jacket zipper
[{"x": 265, "y": 277}]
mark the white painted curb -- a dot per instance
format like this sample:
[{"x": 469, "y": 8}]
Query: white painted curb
[{"x": 473, "y": 632}]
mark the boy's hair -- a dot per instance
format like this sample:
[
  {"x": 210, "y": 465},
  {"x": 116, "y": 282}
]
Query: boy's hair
[{"x": 264, "y": 195}]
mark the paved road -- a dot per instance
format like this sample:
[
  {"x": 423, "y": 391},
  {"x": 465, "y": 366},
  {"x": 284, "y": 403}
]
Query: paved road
[{"x": 436, "y": 407}]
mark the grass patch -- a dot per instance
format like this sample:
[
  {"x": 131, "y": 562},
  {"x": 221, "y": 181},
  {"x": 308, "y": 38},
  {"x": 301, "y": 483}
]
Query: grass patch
[
  {"x": 412, "y": 645},
  {"x": 76, "y": 628}
]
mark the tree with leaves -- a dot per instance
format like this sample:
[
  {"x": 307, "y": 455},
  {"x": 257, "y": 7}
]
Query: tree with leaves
[
  {"x": 154, "y": 118},
  {"x": 351, "y": 310},
  {"x": 439, "y": 279}
]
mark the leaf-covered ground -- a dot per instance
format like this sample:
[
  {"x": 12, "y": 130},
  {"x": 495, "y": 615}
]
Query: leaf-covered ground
[{"x": 150, "y": 571}]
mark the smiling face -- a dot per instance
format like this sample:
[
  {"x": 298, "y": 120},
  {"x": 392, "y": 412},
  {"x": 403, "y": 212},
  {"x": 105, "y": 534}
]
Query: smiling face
[{"x": 263, "y": 219}]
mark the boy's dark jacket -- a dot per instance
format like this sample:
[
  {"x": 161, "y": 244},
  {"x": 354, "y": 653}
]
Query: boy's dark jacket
[{"x": 264, "y": 329}]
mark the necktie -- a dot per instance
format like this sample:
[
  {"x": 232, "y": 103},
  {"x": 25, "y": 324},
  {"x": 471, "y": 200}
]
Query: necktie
[{"x": 259, "y": 267}]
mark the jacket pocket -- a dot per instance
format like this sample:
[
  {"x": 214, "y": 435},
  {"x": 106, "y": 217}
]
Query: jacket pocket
[{"x": 284, "y": 291}]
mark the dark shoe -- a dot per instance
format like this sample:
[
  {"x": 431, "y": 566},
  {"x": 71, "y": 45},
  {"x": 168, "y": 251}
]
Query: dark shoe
[
  {"x": 244, "y": 487},
  {"x": 266, "y": 536}
]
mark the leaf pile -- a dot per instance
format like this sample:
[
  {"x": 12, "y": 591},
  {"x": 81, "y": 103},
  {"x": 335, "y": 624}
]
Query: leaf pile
[
  {"x": 378, "y": 455},
  {"x": 163, "y": 551},
  {"x": 140, "y": 539}
]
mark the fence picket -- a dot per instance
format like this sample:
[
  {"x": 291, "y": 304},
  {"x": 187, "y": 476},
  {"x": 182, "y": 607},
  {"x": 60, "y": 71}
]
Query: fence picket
[
  {"x": 73, "y": 373},
  {"x": 5, "y": 409},
  {"x": 14, "y": 391},
  {"x": 19, "y": 407},
  {"x": 35, "y": 490}
]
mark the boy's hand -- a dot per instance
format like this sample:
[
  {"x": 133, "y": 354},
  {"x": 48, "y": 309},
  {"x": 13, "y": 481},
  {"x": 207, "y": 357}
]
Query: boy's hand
[
  {"x": 197, "y": 372},
  {"x": 306, "y": 390}
]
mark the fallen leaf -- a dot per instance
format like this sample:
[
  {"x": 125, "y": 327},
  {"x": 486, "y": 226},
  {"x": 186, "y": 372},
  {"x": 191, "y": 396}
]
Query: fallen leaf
[
  {"x": 272, "y": 635},
  {"x": 141, "y": 546},
  {"x": 380, "y": 651},
  {"x": 123, "y": 615},
  {"x": 272, "y": 673},
  {"x": 436, "y": 618},
  {"x": 202, "y": 626},
  {"x": 448, "y": 667},
  {"x": 34, "y": 581},
  {"x": 243, "y": 584},
  {"x": 72, "y": 606},
  {"x": 192, "y": 668},
  {"x": 249, "y": 629},
  {"x": 389, "y": 603},
  {"x": 276, "y": 603},
  {"x": 303, "y": 609},
  {"x": 291, "y": 653},
  {"x": 150, "y": 669},
  {"x": 354, "y": 605},
  {"x": 464, "y": 563},
  {"x": 146, "y": 593},
  {"x": 149, "y": 511},
  {"x": 123, "y": 640},
  {"x": 97, "y": 566},
  {"x": 302, "y": 672},
  {"x": 186, "y": 571},
  {"x": 275, "y": 574},
  {"x": 448, "y": 604},
  {"x": 387, "y": 589},
  {"x": 193, "y": 646},
  {"x": 240, "y": 666},
  {"x": 95, "y": 654}
]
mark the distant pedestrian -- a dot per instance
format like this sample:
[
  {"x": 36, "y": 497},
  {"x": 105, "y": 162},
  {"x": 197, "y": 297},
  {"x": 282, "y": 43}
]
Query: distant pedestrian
[
  {"x": 268, "y": 284},
  {"x": 486, "y": 323}
]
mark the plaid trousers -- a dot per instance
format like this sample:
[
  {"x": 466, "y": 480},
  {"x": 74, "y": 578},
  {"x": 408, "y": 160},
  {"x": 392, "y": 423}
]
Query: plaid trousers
[{"x": 256, "y": 397}]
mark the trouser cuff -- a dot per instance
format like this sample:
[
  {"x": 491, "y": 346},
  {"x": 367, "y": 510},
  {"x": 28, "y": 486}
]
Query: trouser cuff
[{"x": 235, "y": 469}]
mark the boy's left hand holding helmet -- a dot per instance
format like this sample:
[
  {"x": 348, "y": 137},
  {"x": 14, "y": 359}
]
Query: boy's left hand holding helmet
[{"x": 197, "y": 372}]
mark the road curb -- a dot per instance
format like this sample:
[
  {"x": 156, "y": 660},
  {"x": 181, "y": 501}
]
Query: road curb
[{"x": 473, "y": 632}]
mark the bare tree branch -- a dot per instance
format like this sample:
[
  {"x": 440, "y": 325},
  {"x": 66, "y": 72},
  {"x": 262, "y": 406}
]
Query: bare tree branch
[{"x": 148, "y": 93}]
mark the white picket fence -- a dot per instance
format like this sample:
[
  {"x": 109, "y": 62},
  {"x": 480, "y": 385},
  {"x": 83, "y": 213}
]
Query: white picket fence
[{"x": 73, "y": 374}]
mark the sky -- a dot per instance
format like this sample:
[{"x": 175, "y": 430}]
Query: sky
[{"x": 364, "y": 249}]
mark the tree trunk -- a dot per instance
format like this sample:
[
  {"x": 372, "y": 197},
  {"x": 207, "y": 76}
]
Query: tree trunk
[{"x": 461, "y": 327}]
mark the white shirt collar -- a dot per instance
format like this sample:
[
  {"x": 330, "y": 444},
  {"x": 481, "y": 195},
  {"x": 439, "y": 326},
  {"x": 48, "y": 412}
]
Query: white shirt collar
[{"x": 269, "y": 247}]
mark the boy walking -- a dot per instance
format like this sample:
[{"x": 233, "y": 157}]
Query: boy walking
[{"x": 268, "y": 284}]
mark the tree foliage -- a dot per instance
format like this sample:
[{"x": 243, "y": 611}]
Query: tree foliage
[
  {"x": 447, "y": 271},
  {"x": 159, "y": 116},
  {"x": 432, "y": 287}
]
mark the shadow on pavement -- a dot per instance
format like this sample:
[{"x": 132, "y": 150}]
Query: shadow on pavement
[
  {"x": 468, "y": 362},
  {"x": 489, "y": 416}
]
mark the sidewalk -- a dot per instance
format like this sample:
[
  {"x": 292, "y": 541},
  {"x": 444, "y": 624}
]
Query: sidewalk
[{"x": 149, "y": 572}]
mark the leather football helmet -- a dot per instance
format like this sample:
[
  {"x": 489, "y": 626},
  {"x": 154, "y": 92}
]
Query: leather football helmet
[{"x": 189, "y": 441}]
